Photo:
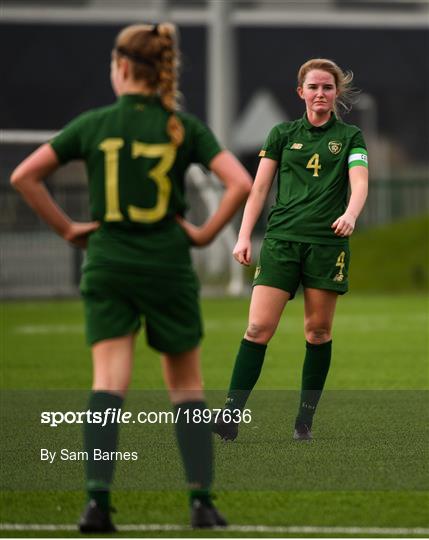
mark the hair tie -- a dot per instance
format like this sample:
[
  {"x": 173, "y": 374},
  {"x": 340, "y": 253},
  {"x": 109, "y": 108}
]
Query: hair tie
[{"x": 135, "y": 57}]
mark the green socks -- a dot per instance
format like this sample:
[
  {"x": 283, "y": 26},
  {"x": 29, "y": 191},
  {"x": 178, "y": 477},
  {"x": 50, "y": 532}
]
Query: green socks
[
  {"x": 194, "y": 438},
  {"x": 315, "y": 370},
  {"x": 247, "y": 369},
  {"x": 202, "y": 494},
  {"x": 99, "y": 473}
]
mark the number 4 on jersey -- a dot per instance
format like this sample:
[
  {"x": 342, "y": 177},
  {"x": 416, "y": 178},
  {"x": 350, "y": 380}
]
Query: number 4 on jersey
[{"x": 313, "y": 163}]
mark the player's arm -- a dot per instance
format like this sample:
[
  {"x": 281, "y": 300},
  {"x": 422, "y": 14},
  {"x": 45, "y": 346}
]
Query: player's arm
[
  {"x": 255, "y": 203},
  {"x": 28, "y": 178},
  {"x": 358, "y": 178},
  {"x": 237, "y": 182}
]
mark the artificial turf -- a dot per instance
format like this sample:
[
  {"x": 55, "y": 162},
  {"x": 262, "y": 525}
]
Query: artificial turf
[{"x": 367, "y": 466}]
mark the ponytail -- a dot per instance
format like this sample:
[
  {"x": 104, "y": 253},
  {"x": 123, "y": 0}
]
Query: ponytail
[
  {"x": 154, "y": 58},
  {"x": 168, "y": 84}
]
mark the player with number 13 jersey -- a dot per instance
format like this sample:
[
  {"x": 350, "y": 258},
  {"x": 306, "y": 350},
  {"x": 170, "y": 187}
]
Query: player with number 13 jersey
[
  {"x": 136, "y": 180},
  {"x": 138, "y": 264}
]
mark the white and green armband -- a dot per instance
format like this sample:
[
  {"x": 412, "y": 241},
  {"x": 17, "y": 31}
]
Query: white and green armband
[{"x": 358, "y": 156}]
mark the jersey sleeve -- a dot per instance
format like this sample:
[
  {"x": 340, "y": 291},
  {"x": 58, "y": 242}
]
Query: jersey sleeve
[
  {"x": 272, "y": 147},
  {"x": 358, "y": 154},
  {"x": 204, "y": 144},
  {"x": 68, "y": 143}
]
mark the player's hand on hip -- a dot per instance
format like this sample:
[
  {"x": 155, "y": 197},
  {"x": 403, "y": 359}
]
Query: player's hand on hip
[
  {"x": 198, "y": 236},
  {"x": 344, "y": 225},
  {"x": 77, "y": 233},
  {"x": 243, "y": 251}
]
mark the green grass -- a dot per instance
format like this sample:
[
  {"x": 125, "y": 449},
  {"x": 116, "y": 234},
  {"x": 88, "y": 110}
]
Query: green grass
[
  {"x": 392, "y": 258},
  {"x": 349, "y": 509},
  {"x": 366, "y": 467},
  {"x": 380, "y": 342}
]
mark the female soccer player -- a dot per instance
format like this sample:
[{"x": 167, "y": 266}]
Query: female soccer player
[
  {"x": 138, "y": 261},
  {"x": 306, "y": 241}
]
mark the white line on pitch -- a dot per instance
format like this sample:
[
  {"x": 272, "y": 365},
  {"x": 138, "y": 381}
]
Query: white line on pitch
[
  {"x": 49, "y": 329},
  {"x": 401, "y": 531}
]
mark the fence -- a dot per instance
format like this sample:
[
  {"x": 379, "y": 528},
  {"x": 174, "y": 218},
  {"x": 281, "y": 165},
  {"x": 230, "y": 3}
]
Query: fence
[{"x": 37, "y": 263}]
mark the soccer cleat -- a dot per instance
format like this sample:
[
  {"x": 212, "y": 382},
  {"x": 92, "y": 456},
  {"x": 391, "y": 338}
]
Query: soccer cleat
[
  {"x": 302, "y": 432},
  {"x": 227, "y": 431},
  {"x": 205, "y": 515},
  {"x": 96, "y": 520}
]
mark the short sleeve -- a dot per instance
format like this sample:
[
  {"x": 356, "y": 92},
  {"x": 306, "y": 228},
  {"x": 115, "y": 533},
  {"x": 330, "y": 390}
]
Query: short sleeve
[
  {"x": 204, "y": 144},
  {"x": 358, "y": 154},
  {"x": 68, "y": 143},
  {"x": 272, "y": 147}
]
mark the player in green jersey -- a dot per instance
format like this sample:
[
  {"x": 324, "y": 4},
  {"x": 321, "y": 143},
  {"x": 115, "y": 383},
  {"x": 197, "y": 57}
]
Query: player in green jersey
[
  {"x": 306, "y": 241},
  {"x": 138, "y": 260}
]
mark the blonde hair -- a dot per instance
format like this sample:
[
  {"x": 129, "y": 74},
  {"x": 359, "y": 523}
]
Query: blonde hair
[
  {"x": 155, "y": 58},
  {"x": 347, "y": 95}
]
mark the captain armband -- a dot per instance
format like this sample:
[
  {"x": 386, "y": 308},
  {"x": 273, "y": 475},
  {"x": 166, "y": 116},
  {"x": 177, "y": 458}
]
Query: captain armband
[{"x": 358, "y": 156}]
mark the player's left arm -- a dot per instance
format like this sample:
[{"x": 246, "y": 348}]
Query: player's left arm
[{"x": 358, "y": 178}]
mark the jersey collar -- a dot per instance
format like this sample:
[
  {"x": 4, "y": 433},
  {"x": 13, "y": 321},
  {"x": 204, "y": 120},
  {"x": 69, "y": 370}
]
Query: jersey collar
[
  {"x": 140, "y": 98},
  {"x": 323, "y": 127}
]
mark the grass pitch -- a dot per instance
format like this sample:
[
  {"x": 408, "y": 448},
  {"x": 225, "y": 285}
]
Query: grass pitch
[{"x": 380, "y": 344}]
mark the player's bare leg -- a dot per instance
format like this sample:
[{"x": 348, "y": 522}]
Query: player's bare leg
[
  {"x": 182, "y": 374},
  {"x": 319, "y": 309},
  {"x": 266, "y": 307},
  {"x": 112, "y": 361},
  {"x": 112, "y": 364}
]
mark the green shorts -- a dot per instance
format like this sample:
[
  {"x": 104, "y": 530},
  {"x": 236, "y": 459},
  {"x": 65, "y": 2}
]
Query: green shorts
[
  {"x": 284, "y": 264},
  {"x": 115, "y": 301}
]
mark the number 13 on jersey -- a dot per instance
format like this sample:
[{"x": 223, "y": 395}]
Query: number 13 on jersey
[{"x": 167, "y": 155}]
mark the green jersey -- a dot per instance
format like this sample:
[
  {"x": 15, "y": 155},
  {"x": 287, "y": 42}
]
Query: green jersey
[
  {"x": 313, "y": 165},
  {"x": 136, "y": 179}
]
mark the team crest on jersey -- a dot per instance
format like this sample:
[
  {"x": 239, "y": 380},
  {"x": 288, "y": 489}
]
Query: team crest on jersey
[
  {"x": 296, "y": 146},
  {"x": 335, "y": 147}
]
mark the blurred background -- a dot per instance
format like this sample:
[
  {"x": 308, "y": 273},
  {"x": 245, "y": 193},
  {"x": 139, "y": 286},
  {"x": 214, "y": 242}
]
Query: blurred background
[{"x": 239, "y": 65}]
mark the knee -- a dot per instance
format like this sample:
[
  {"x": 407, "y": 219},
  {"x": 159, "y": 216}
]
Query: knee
[
  {"x": 317, "y": 335},
  {"x": 259, "y": 333}
]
